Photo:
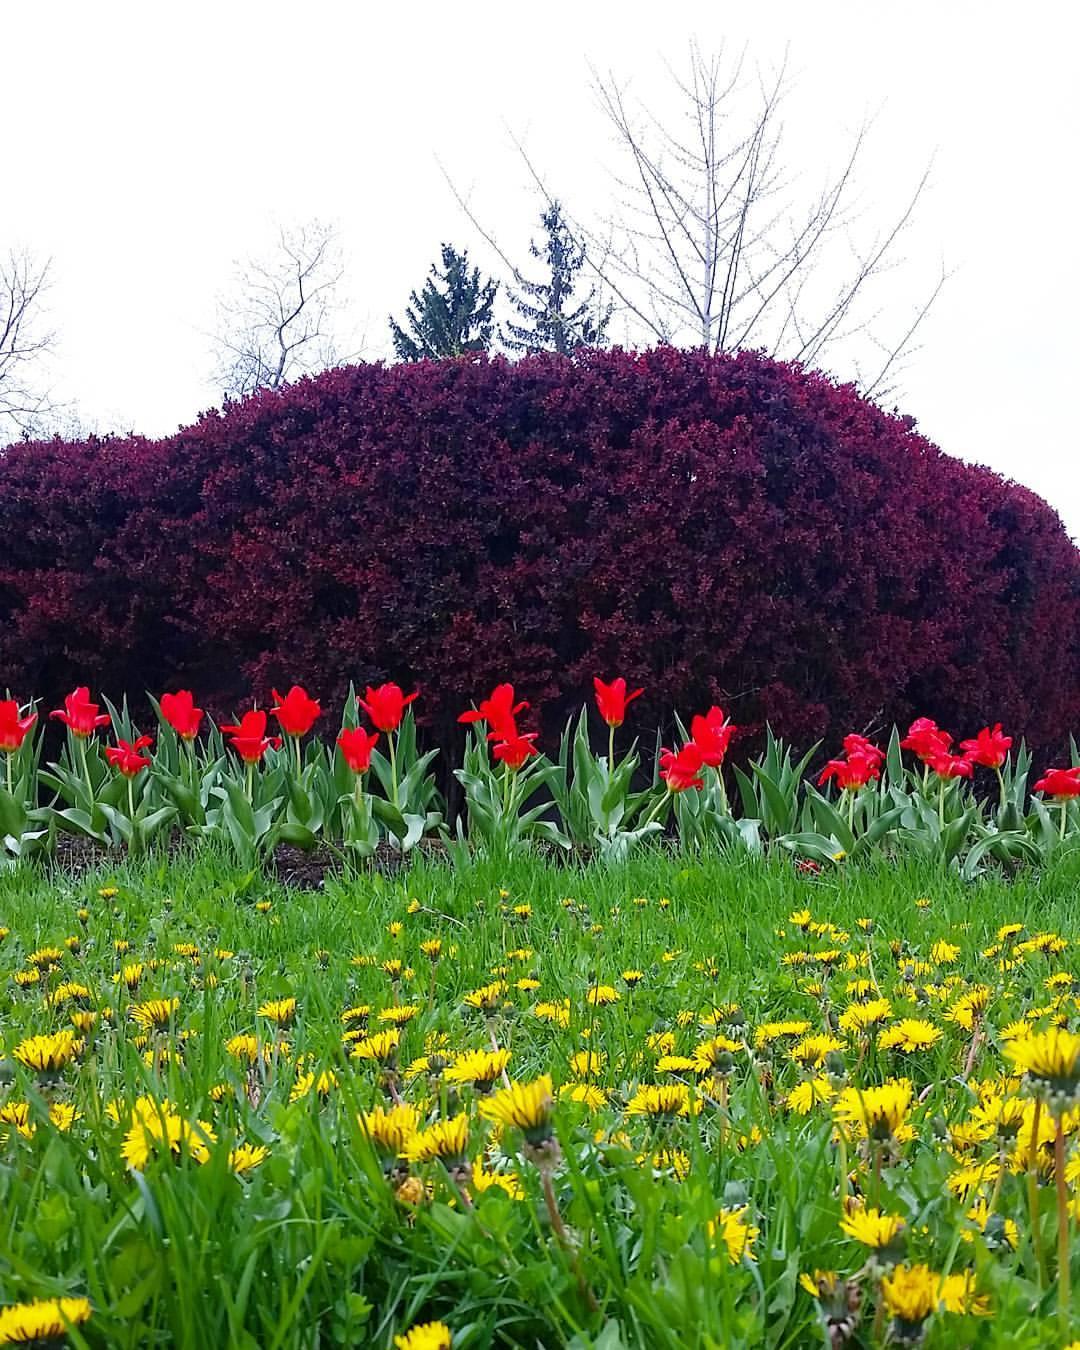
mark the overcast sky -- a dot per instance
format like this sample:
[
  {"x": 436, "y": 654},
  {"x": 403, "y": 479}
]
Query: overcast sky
[{"x": 148, "y": 148}]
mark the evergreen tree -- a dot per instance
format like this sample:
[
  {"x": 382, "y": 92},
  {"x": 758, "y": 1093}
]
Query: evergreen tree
[
  {"x": 550, "y": 320},
  {"x": 451, "y": 315}
]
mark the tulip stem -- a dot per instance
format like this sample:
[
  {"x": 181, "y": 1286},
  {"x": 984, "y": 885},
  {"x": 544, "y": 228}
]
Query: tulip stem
[
  {"x": 723, "y": 790},
  {"x": 611, "y": 749},
  {"x": 655, "y": 811},
  {"x": 10, "y": 787},
  {"x": 393, "y": 768},
  {"x": 249, "y": 781},
  {"x": 1064, "y": 818},
  {"x": 81, "y": 743}
]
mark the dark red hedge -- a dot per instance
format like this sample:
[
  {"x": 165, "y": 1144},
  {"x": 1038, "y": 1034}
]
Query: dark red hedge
[{"x": 730, "y": 529}]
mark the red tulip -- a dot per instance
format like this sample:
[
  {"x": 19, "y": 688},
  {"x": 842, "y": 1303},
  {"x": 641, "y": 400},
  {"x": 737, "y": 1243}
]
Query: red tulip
[
  {"x": 712, "y": 735},
  {"x": 989, "y": 748},
  {"x": 926, "y": 739},
  {"x": 854, "y": 744},
  {"x": 356, "y": 746},
  {"x": 499, "y": 711},
  {"x": 296, "y": 712},
  {"x": 948, "y": 766},
  {"x": 180, "y": 712},
  {"x": 515, "y": 750},
  {"x": 1060, "y": 783},
  {"x": 682, "y": 769},
  {"x": 386, "y": 705},
  {"x": 13, "y": 728},
  {"x": 124, "y": 755},
  {"x": 249, "y": 739},
  {"x": 79, "y": 714},
  {"x": 612, "y": 699},
  {"x": 851, "y": 773}
]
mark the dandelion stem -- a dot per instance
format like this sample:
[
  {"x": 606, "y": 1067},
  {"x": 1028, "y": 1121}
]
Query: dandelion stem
[
  {"x": 1033, "y": 1192},
  {"x": 559, "y": 1229},
  {"x": 1063, "y": 1273}
]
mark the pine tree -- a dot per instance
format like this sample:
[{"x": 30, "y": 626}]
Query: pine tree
[
  {"x": 551, "y": 322},
  {"x": 451, "y": 315}
]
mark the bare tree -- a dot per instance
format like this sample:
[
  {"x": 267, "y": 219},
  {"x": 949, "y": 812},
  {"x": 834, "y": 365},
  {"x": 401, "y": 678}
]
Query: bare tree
[
  {"x": 278, "y": 320},
  {"x": 25, "y": 404},
  {"x": 709, "y": 241}
]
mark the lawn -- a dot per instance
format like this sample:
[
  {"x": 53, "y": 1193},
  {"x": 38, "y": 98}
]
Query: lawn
[{"x": 209, "y": 1163}]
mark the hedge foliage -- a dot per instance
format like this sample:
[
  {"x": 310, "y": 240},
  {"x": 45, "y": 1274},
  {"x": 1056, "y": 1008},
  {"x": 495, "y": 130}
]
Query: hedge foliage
[{"x": 730, "y": 530}]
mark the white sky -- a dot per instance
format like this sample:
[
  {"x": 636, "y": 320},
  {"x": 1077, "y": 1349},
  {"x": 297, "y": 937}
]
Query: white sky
[{"x": 148, "y": 147}]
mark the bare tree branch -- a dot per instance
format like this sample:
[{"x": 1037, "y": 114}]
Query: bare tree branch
[
  {"x": 278, "y": 321},
  {"x": 25, "y": 403},
  {"x": 710, "y": 241}
]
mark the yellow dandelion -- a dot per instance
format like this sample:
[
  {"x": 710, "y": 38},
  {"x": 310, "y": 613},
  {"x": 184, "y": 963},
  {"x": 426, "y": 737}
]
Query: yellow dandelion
[
  {"x": 674, "y": 1161},
  {"x": 731, "y": 1227},
  {"x": 322, "y": 1084},
  {"x": 910, "y": 1293},
  {"x": 872, "y": 1228},
  {"x": 280, "y": 1011},
  {"x": 45, "y": 958},
  {"x": 523, "y": 1106},
  {"x": 910, "y": 1035},
  {"x": 587, "y": 1093},
  {"x": 663, "y": 1099},
  {"x": 446, "y": 1141},
  {"x": 861, "y": 1016},
  {"x": 49, "y": 1054},
  {"x": 877, "y": 1113},
  {"x": 157, "y": 1130},
  {"x": 155, "y": 1014},
  {"x": 807, "y": 1094},
  {"x": 1052, "y": 1058},
  {"x": 812, "y": 1051},
  {"x": 381, "y": 1048},
  {"x": 969, "y": 1008},
  {"x": 479, "y": 1067},
  {"x": 483, "y": 1179},
  {"x": 45, "y": 1319},
  {"x": 487, "y": 998},
  {"x": 601, "y": 995},
  {"x": 556, "y": 1013},
  {"x": 391, "y": 1131},
  {"x": 998, "y": 1231},
  {"x": 246, "y": 1157},
  {"x": 68, "y": 992},
  {"x": 398, "y": 1016},
  {"x": 821, "y": 1284},
  {"x": 774, "y": 1031},
  {"x": 425, "y": 1336}
]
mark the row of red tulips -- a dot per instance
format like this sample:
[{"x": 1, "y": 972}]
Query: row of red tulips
[
  {"x": 711, "y": 734},
  {"x": 289, "y": 787}
]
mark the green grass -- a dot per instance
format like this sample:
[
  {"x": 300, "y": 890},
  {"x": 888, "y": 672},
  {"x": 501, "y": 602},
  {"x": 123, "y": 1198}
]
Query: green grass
[{"x": 312, "y": 1248}]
